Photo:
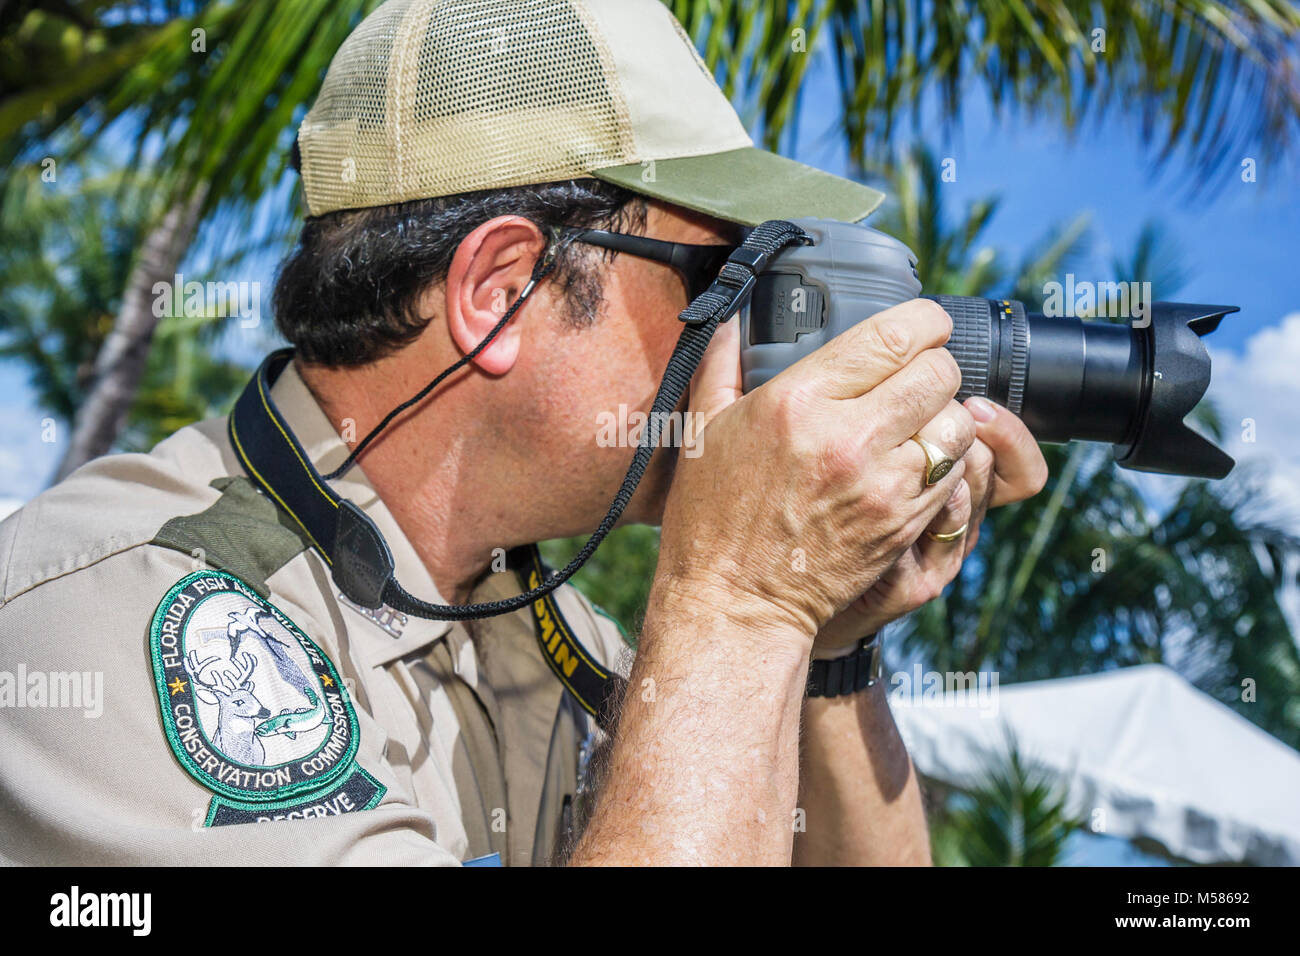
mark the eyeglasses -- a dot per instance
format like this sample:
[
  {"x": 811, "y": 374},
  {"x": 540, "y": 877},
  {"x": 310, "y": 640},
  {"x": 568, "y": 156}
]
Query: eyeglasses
[{"x": 698, "y": 265}]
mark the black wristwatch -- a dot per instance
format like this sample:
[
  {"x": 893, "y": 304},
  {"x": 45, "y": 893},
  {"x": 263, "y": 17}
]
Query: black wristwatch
[{"x": 848, "y": 674}]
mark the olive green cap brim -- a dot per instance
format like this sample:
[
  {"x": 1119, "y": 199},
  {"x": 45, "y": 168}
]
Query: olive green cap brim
[{"x": 746, "y": 186}]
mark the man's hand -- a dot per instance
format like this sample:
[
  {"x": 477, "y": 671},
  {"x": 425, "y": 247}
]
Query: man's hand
[
  {"x": 809, "y": 488},
  {"x": 1003, "y": 465},
  {"x": 805, "y": 491},
  {"x": 858, "y": 788}
]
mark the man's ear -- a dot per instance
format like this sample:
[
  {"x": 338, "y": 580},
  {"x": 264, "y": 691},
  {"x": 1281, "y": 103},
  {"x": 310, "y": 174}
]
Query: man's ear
[{"x": 491, "y": 267}]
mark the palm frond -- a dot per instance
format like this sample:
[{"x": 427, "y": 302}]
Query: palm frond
[
  {"x": 1016, "y": 815},
  {"x": 1212, "y": 77}
]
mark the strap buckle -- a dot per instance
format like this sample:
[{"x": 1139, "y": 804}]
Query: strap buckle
[{"x": 735, "y": 282}]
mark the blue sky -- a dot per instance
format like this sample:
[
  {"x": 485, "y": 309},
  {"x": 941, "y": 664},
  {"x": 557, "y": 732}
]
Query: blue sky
[{"x": 1238, "y": 241}]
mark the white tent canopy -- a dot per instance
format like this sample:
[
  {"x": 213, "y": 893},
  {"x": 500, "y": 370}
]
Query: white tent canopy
[{"x": 1157, "y": 757}]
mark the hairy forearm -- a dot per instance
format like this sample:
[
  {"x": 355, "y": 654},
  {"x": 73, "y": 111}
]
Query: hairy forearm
[
  {"x": 858, "y": 790},
  {"x": 705, "y": 764}
]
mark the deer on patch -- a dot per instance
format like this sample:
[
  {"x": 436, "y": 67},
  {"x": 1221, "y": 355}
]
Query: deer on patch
[{"x": 238, "y": 709}]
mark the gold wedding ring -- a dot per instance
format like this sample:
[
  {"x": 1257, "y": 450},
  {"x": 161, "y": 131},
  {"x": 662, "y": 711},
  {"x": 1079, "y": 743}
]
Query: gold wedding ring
[
  {"x": 937, "y": 462},
  {"x": 950, "y": 536}
]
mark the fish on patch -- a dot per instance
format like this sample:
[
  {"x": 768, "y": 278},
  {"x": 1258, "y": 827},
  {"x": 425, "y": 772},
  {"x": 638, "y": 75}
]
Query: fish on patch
[{"x": 297, "y": 721}]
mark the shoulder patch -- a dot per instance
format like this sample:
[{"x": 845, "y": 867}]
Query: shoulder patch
[
  {"x": 242, "y": 532},
  {"x": 252, "y": 708}
]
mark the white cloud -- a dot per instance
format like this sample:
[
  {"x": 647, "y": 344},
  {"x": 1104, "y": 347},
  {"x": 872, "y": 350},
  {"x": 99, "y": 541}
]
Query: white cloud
[{"x": 1262, "y": 386}]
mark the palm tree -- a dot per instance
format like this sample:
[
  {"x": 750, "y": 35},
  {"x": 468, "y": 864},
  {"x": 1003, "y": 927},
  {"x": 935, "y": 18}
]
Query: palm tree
[
  {"x": 224, "y": 103},
  {"x": 161, "y": 76},
  {"x": 1016, "y": 815},
  {"x": 65, "y": 257},
  {"x": 1176, "y": 65}
]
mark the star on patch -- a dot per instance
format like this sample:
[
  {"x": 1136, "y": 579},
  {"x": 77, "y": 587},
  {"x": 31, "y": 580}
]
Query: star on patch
[
  {"x": 326, "y": 680},
  {"x": 177, "y": 686}
]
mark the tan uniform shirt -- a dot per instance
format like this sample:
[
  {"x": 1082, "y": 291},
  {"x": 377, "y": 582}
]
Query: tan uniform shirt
[{"x": 155, "y": 708}]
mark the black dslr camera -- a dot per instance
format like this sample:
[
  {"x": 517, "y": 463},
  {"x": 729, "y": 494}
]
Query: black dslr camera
[{"x": 1127, "y": 385}]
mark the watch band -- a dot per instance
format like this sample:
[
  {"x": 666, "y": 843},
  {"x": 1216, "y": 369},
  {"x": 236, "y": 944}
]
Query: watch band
[{"x": 849, "y": 674}]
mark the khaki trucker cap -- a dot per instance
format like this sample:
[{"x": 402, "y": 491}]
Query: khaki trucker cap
[{"x": 437, "y": 97}]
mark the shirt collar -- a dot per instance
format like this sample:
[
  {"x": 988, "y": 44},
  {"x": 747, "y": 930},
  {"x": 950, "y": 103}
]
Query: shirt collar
[{"x": 327, "y": 450}]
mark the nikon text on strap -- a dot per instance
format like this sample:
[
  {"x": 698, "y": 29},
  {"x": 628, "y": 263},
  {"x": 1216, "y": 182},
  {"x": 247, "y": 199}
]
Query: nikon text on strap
[
  {"x": 597, "y": 690},
  {"x": 348, "y": 540}
]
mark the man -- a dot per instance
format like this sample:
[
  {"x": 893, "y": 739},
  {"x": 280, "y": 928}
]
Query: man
[{"x": 260, "y": 706}]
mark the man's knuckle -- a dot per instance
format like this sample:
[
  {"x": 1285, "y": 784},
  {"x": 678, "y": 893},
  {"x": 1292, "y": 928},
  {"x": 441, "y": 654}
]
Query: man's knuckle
[
  {"x": 892, "y": 337},
  {"x": 962, "y": 515},
  {"x": 873, "y": 505},
  {"x": 843, "y": 458},
  {"x": 964, "y": 432},
  {"x": 898, "y": 540},
  {"x": 962, "y": 501},
  {"x": 980, "y": 458},
  {"x": 934, "y": 585},
  {"x": 949, "y": 370},
  {"x": 937, "y": 373},
  {"x": 910, "y": 530}
]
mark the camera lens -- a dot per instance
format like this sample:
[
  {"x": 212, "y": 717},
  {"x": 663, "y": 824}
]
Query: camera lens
[{"x": 1127, "y": 385}]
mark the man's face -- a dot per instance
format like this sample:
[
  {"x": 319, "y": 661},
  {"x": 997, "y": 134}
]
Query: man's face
[{"x": 592, "y": 386}]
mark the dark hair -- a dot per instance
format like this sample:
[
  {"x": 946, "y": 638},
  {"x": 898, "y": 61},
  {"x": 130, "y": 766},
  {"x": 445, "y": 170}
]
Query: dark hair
[{"x": 349, "y": 292}]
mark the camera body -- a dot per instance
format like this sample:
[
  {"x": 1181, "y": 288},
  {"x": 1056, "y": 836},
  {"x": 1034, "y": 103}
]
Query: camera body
[
  {"x": 811, "y": 293},
  {"x": 1127, "y": 385}
]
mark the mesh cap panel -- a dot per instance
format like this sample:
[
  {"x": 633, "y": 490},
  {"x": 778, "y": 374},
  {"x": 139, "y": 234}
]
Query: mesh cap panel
[{"x": 438, "y": 97}]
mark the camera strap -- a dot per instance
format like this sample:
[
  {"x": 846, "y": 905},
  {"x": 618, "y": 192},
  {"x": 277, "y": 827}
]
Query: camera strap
[{"x": 353, "y": 547}]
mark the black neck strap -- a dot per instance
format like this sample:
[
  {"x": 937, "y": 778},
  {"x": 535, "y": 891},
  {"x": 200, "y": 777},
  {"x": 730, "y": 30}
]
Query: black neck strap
[
  {"x": 597, "y": 690},
  {"x": 348, "y": 540}
]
